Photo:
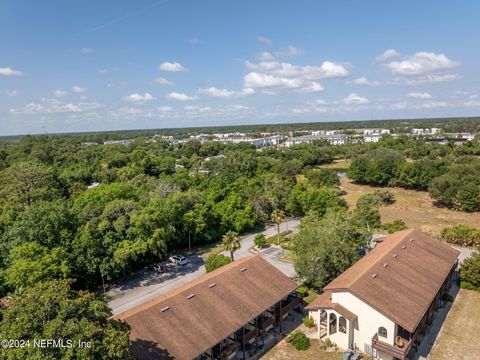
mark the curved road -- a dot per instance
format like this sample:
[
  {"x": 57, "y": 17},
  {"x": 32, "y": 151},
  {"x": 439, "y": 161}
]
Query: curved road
[{"x": 146, "y": 285}]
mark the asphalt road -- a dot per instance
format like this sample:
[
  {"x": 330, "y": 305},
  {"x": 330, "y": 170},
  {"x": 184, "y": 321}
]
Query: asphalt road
[{"x": 146, "y": 285}]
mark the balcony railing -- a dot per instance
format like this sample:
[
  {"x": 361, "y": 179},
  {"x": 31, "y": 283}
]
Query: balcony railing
[{"x": 399, "y": 352}]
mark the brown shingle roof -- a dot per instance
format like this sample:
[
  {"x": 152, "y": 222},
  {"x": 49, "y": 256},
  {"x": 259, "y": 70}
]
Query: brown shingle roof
[
  {"x": 192, "y": 325},
  {"x": 324, "y": 301},
  {"x": 400, "y": 277}
]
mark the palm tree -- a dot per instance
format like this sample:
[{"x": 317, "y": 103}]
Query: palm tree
[
  {"x": 277, "y": 217},
  {"x": 231, "y": 242}
]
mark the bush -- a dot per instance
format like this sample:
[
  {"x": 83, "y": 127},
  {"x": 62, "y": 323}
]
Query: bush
[
  {"x": 299, "y": 340},
  {"x": 377, "y": 198},
  {"x": 396, "y": 225},
  {"x": 447, "y": 297},
  {"x": 470, "y": 272},
  {"x": 215, "y": 261},
  {"x": 329, "y": 343},
  {"x": 461, "y": 234},
  {"x": 308, "y": 322},
  {"x": 260, "y": 241}
]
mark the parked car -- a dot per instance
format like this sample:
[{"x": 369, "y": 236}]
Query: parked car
[
  {"x": 160, "y": 268},
  {"x": 179, "y": 260}
]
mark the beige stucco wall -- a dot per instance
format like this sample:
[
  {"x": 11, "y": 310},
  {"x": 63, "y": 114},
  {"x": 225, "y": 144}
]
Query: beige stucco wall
[{"x": 368, "y": 320}]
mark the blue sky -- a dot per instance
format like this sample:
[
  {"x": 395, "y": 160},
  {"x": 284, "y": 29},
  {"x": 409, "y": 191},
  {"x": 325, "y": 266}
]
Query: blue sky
[{"x": 124, "y": 64}]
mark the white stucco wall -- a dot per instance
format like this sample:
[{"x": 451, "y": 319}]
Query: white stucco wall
[{"x": 368, "y": 320}]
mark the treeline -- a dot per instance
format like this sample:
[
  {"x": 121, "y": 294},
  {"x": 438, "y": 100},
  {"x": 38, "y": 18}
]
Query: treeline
[
  {"x": 449, "y": 173},
  {"x": 462, "y": 124}
]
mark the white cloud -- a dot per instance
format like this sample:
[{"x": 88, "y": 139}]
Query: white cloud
[
  {"x": 278, "y": 75},
  {"x": 433, "y": 104},
  {"x": 420, "y": 95},
  {"x": 433, "y": 78},
  {"x": 60, "y": 93},
  {"x": 387, "y": 54},
  {"x": 172, "y": 67},
  {"x": 312, "y": 88},
  {"x": 265, "y": 56},
  {"x": 195, "y": 41},
  {"x": 265, "y": 40},
  {"x": 51, "y": 106},
  {"x": 422, "y": 63},
  {"x": 86, "y": 51},
  {"x": 103, "y": 71},
  {"x": 180, "y": 97},
  {"x": 258, "y": 80},
  {"x": 130, "y": 110},
  {"x": 355, "y": 99},
  {"x": 163, "y": 82},
  {"x": 364, "y": 81},
  {"x": 7, "y": 71},
  {"x": 78, "y": 89},
  {"x": 138, "y": 98},
  {"x": 165, "y": 109},
  {"x": 11, "y": 93},
  {"x": 290, "y": 51},
  {"x": 226, "y": 94}
]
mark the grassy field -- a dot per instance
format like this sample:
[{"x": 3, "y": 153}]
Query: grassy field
[
  {"x": 458, "y": 339},
  {"x": 416, "y": 208},
  {"x": 338, "y": 165}
]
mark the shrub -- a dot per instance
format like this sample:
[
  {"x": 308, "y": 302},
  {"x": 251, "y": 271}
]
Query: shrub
[
  {"x": 377, "y": 198},
  {"x": 308, "y": 322},
  {"x": 461, "y": 234},
  {"x": 260, "y": 241},
  {"x": 299, "y": 340},
  {"x": 215, "y": 261},
  {"x": 329, "y": 343},
  {"x": 447, "y": 297},
  {"x": 396, "y": 225},
  {"x": 470, "y": 272}
]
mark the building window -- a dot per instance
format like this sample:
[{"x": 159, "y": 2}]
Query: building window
[
  {"x": 382, "y": 332},
  {"x": 342, "y": 325},
  {"x": 333, "y": 323}
]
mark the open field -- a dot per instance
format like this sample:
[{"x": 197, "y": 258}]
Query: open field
[
  {"x": 339, "y": 165},
  {"x": 416, "y": 208},
  {"x": 283, "y": 350},
  {"x": 458, "y": 339}
]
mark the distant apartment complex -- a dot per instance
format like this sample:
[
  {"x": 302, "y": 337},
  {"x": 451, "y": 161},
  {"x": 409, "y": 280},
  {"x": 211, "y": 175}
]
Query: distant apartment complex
[
  {"x": 230, "y": 313},
  {"x": 428, "y": 131},
  {"x": 382, "y": 304}
]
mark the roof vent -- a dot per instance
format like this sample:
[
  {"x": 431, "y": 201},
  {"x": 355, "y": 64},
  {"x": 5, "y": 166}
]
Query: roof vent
[
  {"x": 385, "y": 265},
  {"x": 165, "y": 308},
  {"x": 243, "y": 269},
  {"x": 404, "y": 247},
  {"x": 190, "y": 296},
  {"x": 411, "y": 239},
  {"x": 374, "y": 275},
  {"x": 212, "y": 285},
  {"x": 395, "y": 256}
]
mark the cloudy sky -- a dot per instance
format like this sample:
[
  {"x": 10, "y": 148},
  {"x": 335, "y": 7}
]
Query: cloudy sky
[{"x": 128, "y": 64}]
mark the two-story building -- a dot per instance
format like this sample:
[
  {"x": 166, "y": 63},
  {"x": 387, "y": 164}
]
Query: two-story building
[{"x": 382, "y": 304}]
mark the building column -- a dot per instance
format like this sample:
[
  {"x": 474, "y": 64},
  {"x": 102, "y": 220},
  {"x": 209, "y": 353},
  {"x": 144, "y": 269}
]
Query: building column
[
  {"x": 328, "y": 323},
  {"x": 319, "y": 318}
]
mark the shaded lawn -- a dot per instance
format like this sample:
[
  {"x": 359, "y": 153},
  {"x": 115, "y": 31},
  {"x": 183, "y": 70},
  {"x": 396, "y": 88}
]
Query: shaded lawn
[
  {"x": 458, "y": 339},
  {"x": 416, "y": 208},
  {"x": 283, "y": 350}
]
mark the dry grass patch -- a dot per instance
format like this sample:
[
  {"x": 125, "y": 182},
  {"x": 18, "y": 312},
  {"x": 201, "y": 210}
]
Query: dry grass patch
[
  {"x": 458, "y": 339},
  {"x": 416, "y": 208},
  {"x": 283, "y": 350},
  {"x": 339, "y": 165}
]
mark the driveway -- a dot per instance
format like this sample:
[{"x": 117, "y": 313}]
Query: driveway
[{"x": 146, "y": 285}]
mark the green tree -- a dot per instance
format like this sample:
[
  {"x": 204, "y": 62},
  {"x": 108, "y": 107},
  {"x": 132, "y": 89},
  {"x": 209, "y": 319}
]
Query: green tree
[
  {"x": 461, "y": 234},
  {"x": 470, "y": 272},
  {"x": 27, "y": 182},
  {"x": 326, "y": 247},
  {"x": 51, "y": 310},
  {"x": 231, "y": 243},
  {"x": 377, "y": 167},
  {"x": 215, "y": 261},
  {"x": 260, "y": 240},
  {"x": 277, "y": 217},
  {"x": 32, "y": 263}
]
